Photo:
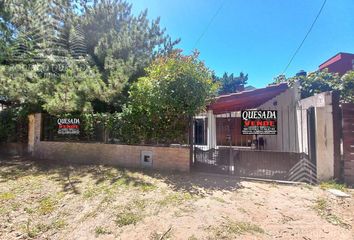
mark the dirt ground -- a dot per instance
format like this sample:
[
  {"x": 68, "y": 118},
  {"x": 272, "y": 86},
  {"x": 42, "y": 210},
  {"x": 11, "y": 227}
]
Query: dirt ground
[{"x": 38, "y": 201}]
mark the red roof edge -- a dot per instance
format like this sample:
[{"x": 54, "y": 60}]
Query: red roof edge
[{"x": 246, "y": 99}]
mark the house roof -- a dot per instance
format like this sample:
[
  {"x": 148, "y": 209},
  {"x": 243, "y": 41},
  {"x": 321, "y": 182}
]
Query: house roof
[
  {"x": 335, "y": 58},
  {"x": 246, "y": 99}
]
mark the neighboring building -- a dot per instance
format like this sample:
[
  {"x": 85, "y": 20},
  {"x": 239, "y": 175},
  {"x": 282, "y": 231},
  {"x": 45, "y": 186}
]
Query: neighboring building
[{"x": 340, "y": 63}]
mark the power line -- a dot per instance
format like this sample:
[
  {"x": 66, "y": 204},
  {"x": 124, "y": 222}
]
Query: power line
[
  {"x": 209, "y": 23},
  {"x": 308, "y": 32}
]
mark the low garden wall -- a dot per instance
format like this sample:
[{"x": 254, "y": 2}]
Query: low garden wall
[
  {"x": 162, "y": 158},
  {"x": 20, "y": 149}
]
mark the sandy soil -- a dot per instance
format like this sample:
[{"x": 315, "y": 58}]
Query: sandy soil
[{"x": 38, "y": 201}]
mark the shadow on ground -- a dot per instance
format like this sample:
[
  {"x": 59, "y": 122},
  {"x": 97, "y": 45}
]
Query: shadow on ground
[{"x": 69, "y": 176}]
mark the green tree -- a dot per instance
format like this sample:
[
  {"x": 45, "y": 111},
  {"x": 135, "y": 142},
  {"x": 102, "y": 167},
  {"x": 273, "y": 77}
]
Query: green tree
[
  {"x": 322, "y": 81},
  {"x": 279, "y": 79},
  {"x": 176, "y": 88},
  {"x": 45, "y": 43},
  {"x": 347, "y": 91},
  {"x": 122, "y": 45},
  {"x": 71, "y": 91},
  {"x": 317, "y": 82},
  {"x": 232, "y": 84}
]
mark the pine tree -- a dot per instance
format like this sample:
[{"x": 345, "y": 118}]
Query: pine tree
[
  {"x": 231, "y": 84},
  {"x": 53, "y": 46}
]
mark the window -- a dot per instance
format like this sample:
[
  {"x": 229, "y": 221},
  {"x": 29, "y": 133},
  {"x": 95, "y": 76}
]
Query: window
[{"x": 200, "y": 135}]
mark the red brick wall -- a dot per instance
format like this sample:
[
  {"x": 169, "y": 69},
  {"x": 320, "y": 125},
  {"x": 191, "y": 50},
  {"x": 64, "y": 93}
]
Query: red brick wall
[{"x": 164, "y": 158}]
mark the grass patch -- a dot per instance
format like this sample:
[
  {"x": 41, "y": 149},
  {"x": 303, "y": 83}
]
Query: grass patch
[
  {"x": 229, "y": 229},
  {"x": 323, "y": 210},
  {"x": 146, "y": 187},
  {"x": 131, "y": 213},
  {"x": 46, "y": 205},
  {"x": 108, "y": 189},
  {"x": 128, "y": 218},
  {"x": 175, "y": 198},
  {"x": 219, "y": 199},
  {"x": 91, "y": 192},
  {"x": 333, "y": 185},
  {"x": 7, "y": 196},
  {"x": 34, "y": 231},
  {"x": 101, "y": 231},
  {"x": 59, "y": 224},
  {"x": 29, "y": 210}
]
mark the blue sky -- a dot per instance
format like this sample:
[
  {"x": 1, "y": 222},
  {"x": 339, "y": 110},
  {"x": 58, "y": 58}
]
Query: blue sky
[{"x": 257, "y": 37}]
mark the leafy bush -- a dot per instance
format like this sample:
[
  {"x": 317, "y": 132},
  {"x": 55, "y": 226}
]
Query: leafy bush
[{"x": 13, "y": 125}]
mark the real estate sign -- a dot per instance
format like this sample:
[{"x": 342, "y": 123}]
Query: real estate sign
[
  {"x": 68, "y": 126},
  {"x": 259, "y": 122}
]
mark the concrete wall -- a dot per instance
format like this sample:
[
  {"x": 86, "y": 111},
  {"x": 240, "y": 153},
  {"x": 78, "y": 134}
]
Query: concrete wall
[
  {"x": 324, "y": 132},
  {"x": 163, "y": 158}
]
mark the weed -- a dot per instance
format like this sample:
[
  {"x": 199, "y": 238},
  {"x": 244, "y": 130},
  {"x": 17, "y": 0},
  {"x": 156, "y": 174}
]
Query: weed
[
  {"x": 46, "y": 206},
  {"x": 146, "y": 187},
  {"x": 175, "y": 199},
  {"x": 131, "y": 214},
  {"x": 91, "y": 192},
  {"x": 219, "y": 199},
  {"x": 34, "y": 231},
  {"x": 31, "y": 232},
  {"x": 101, "y": 230},
  {"x": 231, "y": 228},
  {"x": 59, "y": 224},
  {"x": 322, "y": 209},
  {"x": 29, "y": 210},
  {"x": 15, "y": 206},
  {"x": 127, "y": 218},
  {"x": 333, "y": 184},
  {"x": 321, "y": 205},
  {"x": 7, "y": 196}
]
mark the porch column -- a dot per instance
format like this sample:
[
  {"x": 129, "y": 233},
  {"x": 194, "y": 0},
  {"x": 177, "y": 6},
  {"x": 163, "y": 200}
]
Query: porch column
[{"x": 211, "y": 130}]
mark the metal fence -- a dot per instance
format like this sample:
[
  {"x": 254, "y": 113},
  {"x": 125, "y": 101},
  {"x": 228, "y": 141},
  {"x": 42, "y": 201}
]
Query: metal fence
[{"x": 288, "y": 155}]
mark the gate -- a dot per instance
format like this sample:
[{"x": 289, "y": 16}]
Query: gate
[
  {"x": 255, "y": 156},
  {"x": 348, "y": 142}
]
